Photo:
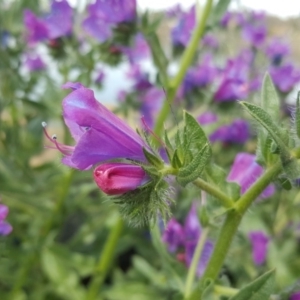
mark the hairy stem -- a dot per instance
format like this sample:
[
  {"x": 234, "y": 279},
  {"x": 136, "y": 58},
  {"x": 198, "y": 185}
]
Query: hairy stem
[
  {"x": 187, "y": 58},
  {"x": 230, "y": 226}
]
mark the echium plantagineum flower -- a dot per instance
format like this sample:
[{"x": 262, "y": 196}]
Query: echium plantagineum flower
[
  {"x": 285, "y": 77},
  {"x": 53, "y": 25},
  {"x": 5, "y": 228},
  {"x": 295, "y": 296},
  {"x": 104, "y": 15},
  {"x": 34, "y": 63},
  {"x": 182, "y": 33},
  {"x": 259, "y": 241},
  {"x": 234, "y": 82},
  {"x": 276, "y": 51},
  {"x": 200, "y": 75},
  {"x": 100, "y": 135},
  {"x": 185, "y": 238},
  {"x": 238, "y": 132},
  {"x": 138, "y": 51},
  {"x": 245, "y": 171}
]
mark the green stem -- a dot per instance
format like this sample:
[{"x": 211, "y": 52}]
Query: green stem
[
  {"x": 32, "y": 256},
  {"x": 230, "y": 226},
  {"x": 225, "y": 290},
  {"x": 105, "y": 260},
  {"x": 212, "y": 190},
  {"x": 187, "y": 58},
  {"x": 194, "y": 263}
]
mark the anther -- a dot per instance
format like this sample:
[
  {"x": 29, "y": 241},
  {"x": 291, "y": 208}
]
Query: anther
[
  {"x": 44, "y": 124},
  {"x": 54, "y": 137}
]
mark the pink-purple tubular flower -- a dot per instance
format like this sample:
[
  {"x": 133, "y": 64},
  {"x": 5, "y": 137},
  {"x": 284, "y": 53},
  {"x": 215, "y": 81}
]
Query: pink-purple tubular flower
[
  {"x": 259, "y": 241},
  {"x": 119, "y": 178},
  {"x": 5, "y": 228},
  {"x": 245, "y": 171},
  {"x": 99, "y": 134}
]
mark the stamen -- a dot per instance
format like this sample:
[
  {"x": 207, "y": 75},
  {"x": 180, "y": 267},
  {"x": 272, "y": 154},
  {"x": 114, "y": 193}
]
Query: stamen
[{"x": 58, "y": 146}]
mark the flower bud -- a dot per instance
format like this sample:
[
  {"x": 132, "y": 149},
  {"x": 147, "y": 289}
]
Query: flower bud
[{"x": 119, "y": 178}]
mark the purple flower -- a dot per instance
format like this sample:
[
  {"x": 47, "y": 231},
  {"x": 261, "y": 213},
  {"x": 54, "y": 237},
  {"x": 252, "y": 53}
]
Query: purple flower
[
  {"x": 174, "y": 12},
  {"x": 138, "y": 51},
  {"x": 210, "y": 41},
  {"x": 259, "y": 241},
  {"x": 104, "y": 15},
  {"x": 234, "y": 83},
  {"x": 245, "y": 170},
  {"x": 187, "y": 237},
  {"x": 173, "y": 235},
  {"x": 56, "y": 24},
  {"x": 295, "y": 296},
  {"x": 100, "y": 77},
  {"x": 5, "y": 228},
  {"x": 229, "y": 16},
  {"x": 276, "y": 50},
  {"x": 207, "y": 118},
  {"x": 200, "y": 75},
  {"x": 236, "y": 132},
  {"x": 99, "y": 134},
  {"x": 181, "y": 34},
  {"x": 285, "y": 77},
  {"x": 141, "y": 80},
  {"x": 119, "y": 178},
  {"x": 34, "y": 63},
  {"x": 152, "y": 100}
]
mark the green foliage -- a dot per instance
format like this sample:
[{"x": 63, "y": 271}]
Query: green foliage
[{"x": 259, "y": 289}]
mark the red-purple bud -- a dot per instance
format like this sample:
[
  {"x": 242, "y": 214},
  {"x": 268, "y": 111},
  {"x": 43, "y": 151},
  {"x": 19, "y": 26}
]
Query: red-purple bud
[{"x": 119, "y": 178}]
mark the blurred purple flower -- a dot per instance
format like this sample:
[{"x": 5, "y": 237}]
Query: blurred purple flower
[
  {"x": 140, "y": 49},
  {"x": 236, "y": 17},
  {"x": 245, "y": 170},
  {"x": 210, "y": 41},
  {"x": 151, "y": 100},
  {"x": 259, "y": 241},
  {"x": 182, "y": 32},
  {"x": 5, "y": 228},
  {"x": 104, "y": 15},
  {"x": 119, "y": 178},
  {"x": 207, "y": 118},
  {"x": 34, "y": 63},
  {"x": 140, "y": 78},
  {"x": 174, "y": 12},
  {"x": 236, "y": 132},
  {"x": 200, "y": 75},
  {"x": 276, "y": 50},
  {"x": 285, "y": 77},
  {"x": 99, "y": 134},
  {"x": 56, "y": 24},
  {"x": 295, "y": 296},
  {"x": 100, "y": 77},
  {"x": 186, "y": 237},
  {"x": 255, "y": 30},
  {"x": 173, "y": 235},
  {"x": 234, "y": 83}
]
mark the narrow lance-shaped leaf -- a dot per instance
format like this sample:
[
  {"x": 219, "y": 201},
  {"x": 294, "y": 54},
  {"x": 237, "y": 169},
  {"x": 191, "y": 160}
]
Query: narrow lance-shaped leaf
[
  {"x": 194, "y": 169},
  {"x": 259, "y": 289}
]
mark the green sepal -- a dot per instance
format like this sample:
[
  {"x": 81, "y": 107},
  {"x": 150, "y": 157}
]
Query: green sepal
[
  {"x": 259, "y": 289},
  {"x": 142, "y": 206},
  {"x": 285, "y": 183},
  {"x": 194, "y": 169},
  {"x": 297, "y": 115},
  {"x": 176, "y": 162},
  {"x": 152, "y": 159},
  {"x": 167, "y": 142},
  {"x": 291, "y": 168}
]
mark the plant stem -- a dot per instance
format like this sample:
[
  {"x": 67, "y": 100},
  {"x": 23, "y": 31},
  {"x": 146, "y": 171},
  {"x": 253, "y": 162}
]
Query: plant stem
[
  {"x": 229, "y": 228},
  {"x": 187, "y": 58},
  {"x": 194, "y": 263},
  {"x": 105, "y": 260},
  {"x": 225, "y": 290},
  {"x": 212, "y": 190}
]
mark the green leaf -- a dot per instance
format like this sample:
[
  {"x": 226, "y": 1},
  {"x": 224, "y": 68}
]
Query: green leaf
[
  {"x": 259, "y": 289},
  {"x": 152, "y": 159},
  {"x": 219, "y": 10},
  {"x": 194, "y": 169},
  {"x": 297, "y": 116},
  {"x": 269, "y": 98},
  {"x": 176, "y": 162},
  {"x": 285, "y": 183}
]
